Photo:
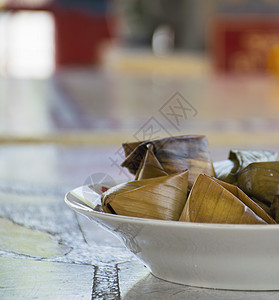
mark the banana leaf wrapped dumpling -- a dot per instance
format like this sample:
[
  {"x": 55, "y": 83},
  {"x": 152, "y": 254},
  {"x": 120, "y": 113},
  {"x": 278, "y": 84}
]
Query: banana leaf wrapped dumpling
[
  {"x": 214, "y": 201},
  {"x": 260, "y": 180},
  {"x": 175, "y": 154},
  {"x": 157, "y": 198},
  {"x": 227, "y": 170}
]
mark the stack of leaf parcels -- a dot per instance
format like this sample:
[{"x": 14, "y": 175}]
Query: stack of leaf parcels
[
  {"x": 214, "y": 201},
  {"x": 175, "y": 180},
  {"x": 173, "y": 154}
]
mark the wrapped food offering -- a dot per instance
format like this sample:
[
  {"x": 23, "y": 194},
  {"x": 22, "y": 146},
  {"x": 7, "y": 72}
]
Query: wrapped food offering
[
  {"x": 157, "y": 198},
  {"x": 212, "y": 201},
  {"x": 174, "y": 154},
  {"x": 227, "y": 170},
  {"x": 175, "y": 180},
  {"x": 260, "y": 180}
]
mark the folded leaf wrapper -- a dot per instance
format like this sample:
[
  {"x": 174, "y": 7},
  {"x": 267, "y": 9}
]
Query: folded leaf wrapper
[
  {"x": 260, "y": 180},
  {"x": 264, "y": 206},
  {"x": 227, "y": 170},
  {"x": 157, "y": 198},
  {"x": 130, "y": 147},
  {"x": 150, "y": 167},
  {"x": 274, "y": 208},
  {"x": 175, "y": 154},
  {"x": 213, "y": 201}
]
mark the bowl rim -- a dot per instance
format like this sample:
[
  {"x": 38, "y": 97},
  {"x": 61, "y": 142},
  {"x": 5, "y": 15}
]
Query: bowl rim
[{"x": 164, "y": 223}]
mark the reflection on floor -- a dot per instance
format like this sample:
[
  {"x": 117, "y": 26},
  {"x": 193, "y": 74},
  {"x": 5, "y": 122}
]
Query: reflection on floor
[{"x": 103, "y": 105}]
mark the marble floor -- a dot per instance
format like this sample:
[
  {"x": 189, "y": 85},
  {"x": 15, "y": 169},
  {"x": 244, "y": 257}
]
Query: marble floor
[{"x": 56, "y": 133}]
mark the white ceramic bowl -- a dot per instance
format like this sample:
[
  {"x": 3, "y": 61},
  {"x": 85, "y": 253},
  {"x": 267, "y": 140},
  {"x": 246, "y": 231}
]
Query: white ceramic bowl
[{"x": 238, "y": 257}]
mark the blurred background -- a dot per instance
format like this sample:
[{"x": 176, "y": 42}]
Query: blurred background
[{"x": 103, "y": 72}]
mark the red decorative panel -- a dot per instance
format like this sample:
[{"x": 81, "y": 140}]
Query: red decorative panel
[
  {"x": 78, "y": 37},
  {"x": 246, "y": 44}
]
